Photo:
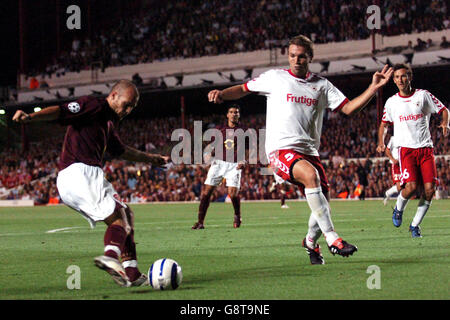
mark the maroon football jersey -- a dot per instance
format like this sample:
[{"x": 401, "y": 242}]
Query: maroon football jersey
[
  {"x": 90, "y": 132},
  {"x": 236, "y": 149}
]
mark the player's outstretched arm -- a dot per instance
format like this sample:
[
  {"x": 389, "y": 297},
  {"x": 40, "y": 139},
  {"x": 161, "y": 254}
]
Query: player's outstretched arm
[
  {"x": 132, "y": 154},
  {"x": 444, "y": 123},
  {"x": 46, "y": 114},
  {"x": 388, "y": 154},
  {"x": 379, "y": 79},
  {"x": 382, "y": 131},
  {"x": 231, "y": 93}
]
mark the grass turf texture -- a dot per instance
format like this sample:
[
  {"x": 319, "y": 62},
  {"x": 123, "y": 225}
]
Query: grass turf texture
[{"x": 261, "y": 260}]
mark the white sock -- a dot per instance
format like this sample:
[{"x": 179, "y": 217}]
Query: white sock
[
  {"x": 422, "y": 209},
  {"x": 313, "y": 232},
  {"x": 401, "y": 202},
  {"x": 129, "y": 263},
  {"x": 321, "y": 212},
  {"x": 390, "y": 192}
]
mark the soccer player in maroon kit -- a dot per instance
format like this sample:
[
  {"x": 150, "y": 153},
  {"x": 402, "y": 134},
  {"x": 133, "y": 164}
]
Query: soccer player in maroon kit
[
  {"x": 222, "y": 168},
  {"x": 91, "y": 130}
]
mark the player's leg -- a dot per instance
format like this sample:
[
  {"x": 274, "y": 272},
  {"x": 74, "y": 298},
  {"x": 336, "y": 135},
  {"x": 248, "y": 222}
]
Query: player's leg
[
  {"x": 308, "y": 175},
  {"x": 85, "y": 189},
  {"x": 409, "y": 172},
  {"x": 310, "y": 240},
  {"x": 283, "y": 194},
  {"x": 129, "y": 255},
  {"x": 429, "y": 178},
  {"x": 233, "y": 192},
  {"x": 395, "y": 189},
  {"x": 233, "y": 182},
  {"x": 205, "y": 197},
  {"x": 114, "y": 243}
]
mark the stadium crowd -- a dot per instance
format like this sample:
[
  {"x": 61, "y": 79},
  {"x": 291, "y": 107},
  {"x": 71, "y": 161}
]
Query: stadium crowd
[
  {"x": 183, "y": 29},
  {"x": 32, "y": 175}
]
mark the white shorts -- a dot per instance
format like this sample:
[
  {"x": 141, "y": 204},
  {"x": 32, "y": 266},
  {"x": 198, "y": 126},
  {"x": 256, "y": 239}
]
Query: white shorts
[
  {"x": 221, "y": 169},
  {"x": 85, "y": 189}
]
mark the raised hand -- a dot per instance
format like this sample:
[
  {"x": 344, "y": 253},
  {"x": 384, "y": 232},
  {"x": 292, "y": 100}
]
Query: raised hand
[{"x": 380, "y": 78}]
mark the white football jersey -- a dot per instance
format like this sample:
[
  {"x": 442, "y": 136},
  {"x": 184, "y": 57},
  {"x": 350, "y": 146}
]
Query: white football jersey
[
  {"x": 295, "y": 108},
  {"x": 411, "y": 117},
  {"x": 394, "y": 148}
]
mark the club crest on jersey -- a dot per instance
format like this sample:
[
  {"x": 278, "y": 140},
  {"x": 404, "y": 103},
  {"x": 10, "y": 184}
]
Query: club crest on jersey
[
  {"x": 302, "y": 100},
  {"x": 74, "y": 107}
]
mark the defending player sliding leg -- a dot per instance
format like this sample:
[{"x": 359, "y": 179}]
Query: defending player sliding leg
[{"x": 321, "y": 211}]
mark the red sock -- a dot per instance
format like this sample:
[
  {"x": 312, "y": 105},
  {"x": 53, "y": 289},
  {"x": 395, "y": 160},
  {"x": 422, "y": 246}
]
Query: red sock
[
  {"x": 203, "y": 207},
  {"x": 129, "y": 257},
  {"x": 283, "y": 199},
  {"x": 114, "y": 240},
  {"x": 236, "y": 205}
]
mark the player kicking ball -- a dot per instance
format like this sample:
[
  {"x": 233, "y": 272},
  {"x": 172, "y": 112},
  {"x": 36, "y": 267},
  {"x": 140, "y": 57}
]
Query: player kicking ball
[
  {"x": 409, "y": 111},
  {"x": 91, "y": 130},
  {"x": 296, "y": 102}
]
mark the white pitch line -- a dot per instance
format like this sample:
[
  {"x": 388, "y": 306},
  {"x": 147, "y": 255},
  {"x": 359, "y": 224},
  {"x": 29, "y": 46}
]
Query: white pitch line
[{"x": 62, "y": 229}]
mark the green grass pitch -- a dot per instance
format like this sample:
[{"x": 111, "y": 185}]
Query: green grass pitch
[{"x": 262, "y": 260}]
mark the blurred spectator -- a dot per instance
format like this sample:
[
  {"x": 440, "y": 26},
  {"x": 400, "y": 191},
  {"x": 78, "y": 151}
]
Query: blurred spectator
[
  {"x": 34, "y": 83},
  {"x": 444, "y": 44},
  {"x": 137, "y": 80},
  {"x": 421, "y": 45}
]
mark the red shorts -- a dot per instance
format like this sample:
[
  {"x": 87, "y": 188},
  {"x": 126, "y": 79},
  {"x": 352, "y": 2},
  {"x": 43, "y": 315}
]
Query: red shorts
[
  {"x": 417, "y": 165},
  {"x": 282, "y": 162},
  {"x": 396, "y": 173}
]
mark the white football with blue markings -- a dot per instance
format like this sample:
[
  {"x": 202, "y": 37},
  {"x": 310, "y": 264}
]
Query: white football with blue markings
[{"x": 165, "y": 274}]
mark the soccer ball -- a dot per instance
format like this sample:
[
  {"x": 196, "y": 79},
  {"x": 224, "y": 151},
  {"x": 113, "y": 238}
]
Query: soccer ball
[{"x": 165, "y": 274}]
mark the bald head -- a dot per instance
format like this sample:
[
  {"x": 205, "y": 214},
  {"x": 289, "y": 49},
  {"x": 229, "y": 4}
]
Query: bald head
[
  {"x": 124, "y": 85},
  {"x": 123, "y": 97}
]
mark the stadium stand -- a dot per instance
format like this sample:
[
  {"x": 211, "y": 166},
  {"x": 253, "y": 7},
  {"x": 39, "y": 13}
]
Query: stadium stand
[{"x": 184, "y": 29}]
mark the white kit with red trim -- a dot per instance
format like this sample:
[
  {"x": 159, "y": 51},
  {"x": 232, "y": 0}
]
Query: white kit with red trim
[
  {"x": 295, "y": 108},
  {"x": 411, "y": 117}
]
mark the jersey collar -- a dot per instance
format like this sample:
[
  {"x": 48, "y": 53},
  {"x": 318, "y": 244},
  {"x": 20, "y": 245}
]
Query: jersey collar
[
  {"x": 414, "y": 91},
  {"x": 308, "y": 75}
]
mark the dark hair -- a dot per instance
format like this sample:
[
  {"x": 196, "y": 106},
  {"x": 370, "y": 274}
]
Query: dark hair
[
  {"x": 399, "y": 66},
  {"x": 234, "y": 105},
  {"x": 305, "y": 42}
]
